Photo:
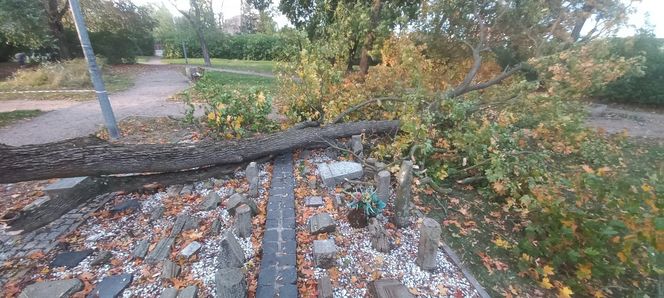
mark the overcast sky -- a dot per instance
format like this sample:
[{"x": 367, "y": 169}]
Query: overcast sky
[{"x": 653, "y": 9}]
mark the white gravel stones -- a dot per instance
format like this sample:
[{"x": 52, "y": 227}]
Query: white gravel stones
[{"x": 120, "y": 235}]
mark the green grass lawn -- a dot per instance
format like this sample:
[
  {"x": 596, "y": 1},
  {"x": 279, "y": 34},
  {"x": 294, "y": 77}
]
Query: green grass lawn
[
  {"x": 233, "y": 81},
  {"x": 7, "y": 118},
  {"x": 248, "y": 65}
]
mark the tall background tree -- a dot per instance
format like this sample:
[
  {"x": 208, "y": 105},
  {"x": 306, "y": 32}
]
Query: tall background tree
[{"x": 201, "y": 17}]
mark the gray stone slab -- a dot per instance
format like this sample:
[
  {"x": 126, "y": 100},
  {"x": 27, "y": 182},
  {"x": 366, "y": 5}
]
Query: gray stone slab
[
  {"x": 36, "y": 203},
  {"x": 321, "y": 223},
  {"x": 189, "y": 292},
  {"x": 160, "y": 251},
  {"x": 315, "y": 201},
  {"x": 157, "y": 212},
  {"x": 187, "y": 190},
  {"x": 192, "y": 223},
  {"x": 230, "y": 283},
  {"x": 180, "y": 221},
  {"x": 325, "y": 253},
  {"x": 215, "y": 227},
  {"x": 211, "y": 201},
  {"x": 335, "y": 172},
  {"x": 70, "y": 259},
  {"x": 388, "y": 288},
  {"x": 55, "y": 288},
  {"x": 243, "y": 224},
  {"x": 141, "y": 249},
  {"x": 64, "y": 185},
  {"x": 383, "y": 185},
  {"x": 126, "y": 206},
  {"x": 111, "y": 286},
  {"x": 170, "y": 270},
  {"x": 231, "y": 254},
  {"x": 325, "y": 287},
  {"x": 191, "y": 249},
  {"x": 169, "y": 293},
  {"x": 427, "y": 249},
  {"x": 101, "y": 258},
  {"x": 173, "y": 190},
  {"x": 237, "y": 199},
  {"x": 252, "y": 178}
]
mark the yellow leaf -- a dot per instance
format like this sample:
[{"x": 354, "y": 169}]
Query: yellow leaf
[
  {"x": 565, "y": 292},
  {"x": 545, "y": 283},
  {"x": 598, "y": 294},
  {"x": 499, "y": 187},
  {"x": 211, "y": 116},
  {"x": 646, "y": 187},
  {"x": 622, "y": 257},
  {"x": 526, "y": 257},
  {"x": 588, "y": 169},
  {"x": 502, "y": 243},
  {"x": 584, "y": 272},
  {"x": 547, "y": 270},
  {"x": 603, "y": 170}
]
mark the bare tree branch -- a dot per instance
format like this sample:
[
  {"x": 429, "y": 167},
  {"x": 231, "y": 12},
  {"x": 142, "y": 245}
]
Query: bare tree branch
[{"x": 354, "y": 108}]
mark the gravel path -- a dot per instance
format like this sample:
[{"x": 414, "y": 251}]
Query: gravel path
[
  {"x": 617, "y": 119},
  {"x": 147, "y": 98}
]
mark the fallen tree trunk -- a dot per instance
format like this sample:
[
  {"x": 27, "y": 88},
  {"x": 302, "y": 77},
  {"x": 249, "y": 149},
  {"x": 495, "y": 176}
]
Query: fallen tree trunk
[{"x": 89, "y": 157}]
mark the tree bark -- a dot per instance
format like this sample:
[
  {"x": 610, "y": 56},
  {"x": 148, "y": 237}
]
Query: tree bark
[
  {"x": 371, "y": 36},
  {"x": 93, "y": 157},
  {"x": 204, "y": 48},
  {"x": 55, "y": 15}
]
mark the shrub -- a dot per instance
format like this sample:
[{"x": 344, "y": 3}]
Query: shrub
[
  {"x": 233, "y": 113},
  {"x": 68, "y": 74},
  {"x": 243, "y": 47},
  {"x": 645, "y": 87}
]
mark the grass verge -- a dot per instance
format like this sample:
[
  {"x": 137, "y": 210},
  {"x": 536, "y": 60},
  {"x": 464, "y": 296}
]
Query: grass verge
[
  {"x": 248, "y": 65},
  {"x": 7, "y": 118}
]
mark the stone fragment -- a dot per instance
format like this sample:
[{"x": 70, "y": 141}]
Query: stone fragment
[
  {"x": 207, "y": 184},
  {"x": 215, "y": 227},
  {"x": 383, "y": 185},
  {"x": 427, "y": 248},
  {"x": 126, "y": 205},
  {"x": 324, "y": 287},
  {"x": 70, "y": 259},
  {"x": 243, "y": 221},
  {"x": 180, "y": 221},
  {"x": 237, "y": 199},
  {"x": 335, "y": 172},
  {"x": 160, "y": 251},
  {"x": 402, "y": 202},
  {"x": 356, "y": 145},
  {"x": 230, "y": 283},
  {"x": 101, "y": 258},
  {"x": 325, "y": 253},
  {"x": 65, "y": 186},
  {"x": 157, "y": 212},
  {"x": 36, "y": 203},
  {"x": 173, "y": 190},
  {"x": 187, "y": 190},
  {"x": 112, "y": 286},
  {"x": 231, "y": 254},
  {"x": 192, "y": 223},
  {"x": 379, "y": 237},
  {"x": 191, "y": 249},
  {"x": 54, "y": 288},
  {"x": 315, "y": 201},
  {"x": 252, "y": 178},
  {"x": 321, "y": 223},
  {"x": 332, "y": 152},
  {"x": 338, "y": 201},
  {"x": 388, "y": 288},
  {"x": 211, "y": 201},
  {"x": 170, "y": 270},
  {"x": 141, "y": 249},
  {"x": 189, "y": 292},
  {"x": 169, "y": 293}
]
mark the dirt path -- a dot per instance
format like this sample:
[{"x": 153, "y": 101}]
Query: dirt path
[
  {"x": 147, "y": 98},
  {"x": 616, "y": 119}
]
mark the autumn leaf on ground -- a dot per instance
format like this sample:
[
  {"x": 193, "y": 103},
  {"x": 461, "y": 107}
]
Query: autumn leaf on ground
[
  {"x": 565, "y": 292},
  {"x": 546, "y": 283}
]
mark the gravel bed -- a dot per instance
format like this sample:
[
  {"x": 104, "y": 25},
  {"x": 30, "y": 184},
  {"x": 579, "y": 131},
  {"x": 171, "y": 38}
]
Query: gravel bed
[
  {"x": 119, "y": 234},
  {"x": 358, "y": 263}
]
